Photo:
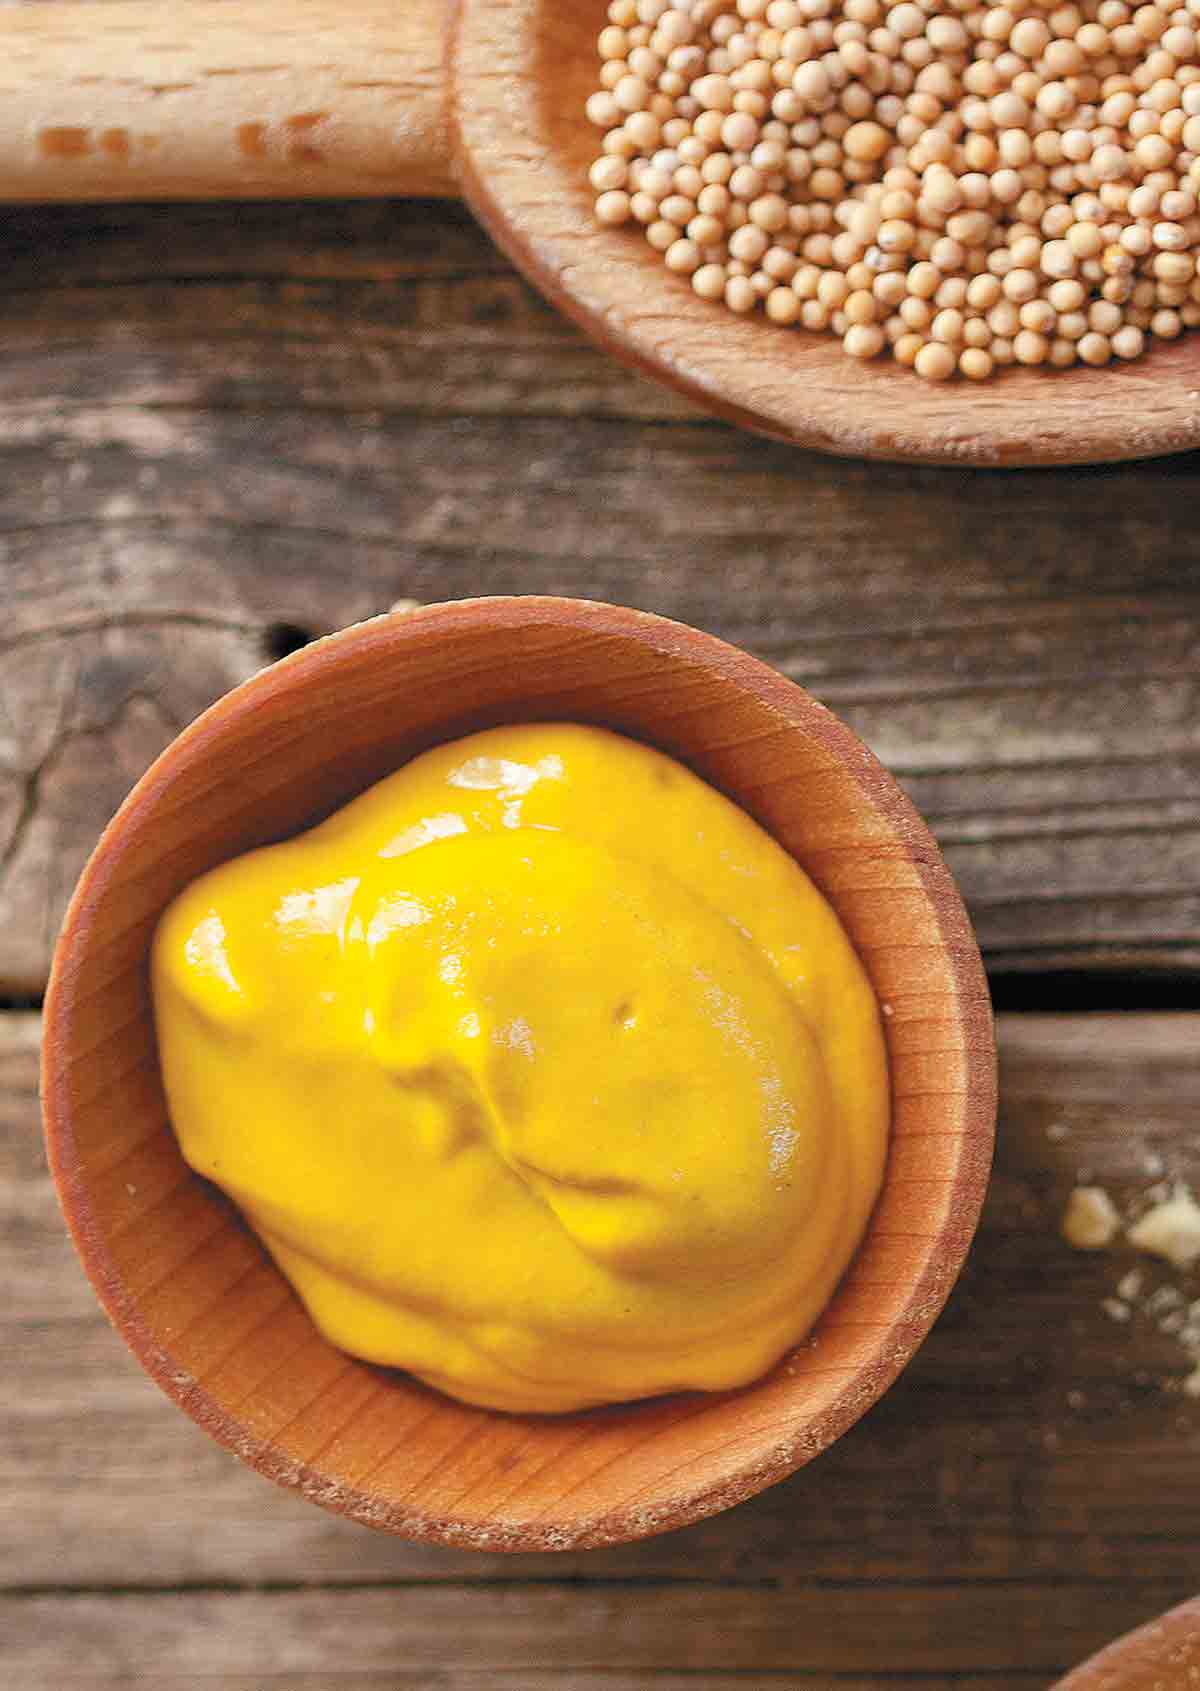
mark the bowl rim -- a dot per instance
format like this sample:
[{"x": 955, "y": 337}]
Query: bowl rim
[{"x": 796, "y": 710}]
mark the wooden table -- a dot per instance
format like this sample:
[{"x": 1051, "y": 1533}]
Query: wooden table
[{"x": 224, "y": 429}]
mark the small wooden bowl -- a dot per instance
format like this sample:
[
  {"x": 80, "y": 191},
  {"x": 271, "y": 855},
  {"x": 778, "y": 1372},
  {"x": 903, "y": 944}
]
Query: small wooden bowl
[
  {"x": 188, "y": 1286},
  {"x": 1163, "y": 1655}
]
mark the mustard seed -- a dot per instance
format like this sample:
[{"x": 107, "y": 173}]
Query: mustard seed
[{"x": 935, "y": 362}]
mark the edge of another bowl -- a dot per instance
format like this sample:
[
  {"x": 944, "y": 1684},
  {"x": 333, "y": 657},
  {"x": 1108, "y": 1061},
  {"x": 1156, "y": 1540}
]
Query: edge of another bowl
[{"x": 1162, "y": 1655}]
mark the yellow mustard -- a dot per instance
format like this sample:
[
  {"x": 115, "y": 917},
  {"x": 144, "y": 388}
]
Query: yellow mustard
[{"x": 541, "y": 1070}]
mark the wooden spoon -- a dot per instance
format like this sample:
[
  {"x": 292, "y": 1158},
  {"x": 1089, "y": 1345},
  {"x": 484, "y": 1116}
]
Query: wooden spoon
[{"x": 280, "y": 98}]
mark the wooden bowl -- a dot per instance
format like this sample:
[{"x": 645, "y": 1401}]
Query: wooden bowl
[
  {"x": 188, "y": 1286},
  {"x": 1163, "y": 1655}
]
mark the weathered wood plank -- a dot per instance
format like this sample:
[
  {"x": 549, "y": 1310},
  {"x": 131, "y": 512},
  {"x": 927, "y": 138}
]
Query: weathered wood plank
[
  {"x": 1043, "y": 710},
  {"x": 402, "y": 307},
  {"x": 568, "y": 1679},
  {"x": 214, "y": 418},
  {"x": 1032, "y": 1439},
  {"x": 806, "y": 1630}
]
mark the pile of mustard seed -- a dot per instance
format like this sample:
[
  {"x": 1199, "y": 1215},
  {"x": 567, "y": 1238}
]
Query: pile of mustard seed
[{"x": 960, "y": 186}]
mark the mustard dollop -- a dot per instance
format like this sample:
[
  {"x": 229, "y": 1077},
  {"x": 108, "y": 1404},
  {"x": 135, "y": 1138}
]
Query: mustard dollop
[{"x": 541, "y": 1070}]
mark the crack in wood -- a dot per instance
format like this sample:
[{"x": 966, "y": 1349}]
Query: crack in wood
[
  {"x": 112, "y": 621},
  {"x": 31, "y": 780}
]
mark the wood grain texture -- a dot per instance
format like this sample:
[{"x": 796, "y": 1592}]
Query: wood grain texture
[
  {"x": 131, "y": 99},
  {"x": 212, "y": 419},
  {"x": 200, "y": 1304},
  {"x": 803, "y": 1633},
  {"x": 534, "y": 1679},
  {"x": 1028, "y": 1483},
  {"x": 520, "y": 72}
]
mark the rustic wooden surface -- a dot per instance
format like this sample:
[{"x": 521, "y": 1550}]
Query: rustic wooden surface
[
  {"x": 214, "y": 419},
  {"x": 222, "y": 428},
  {"x": 1024, "y": 1493}
]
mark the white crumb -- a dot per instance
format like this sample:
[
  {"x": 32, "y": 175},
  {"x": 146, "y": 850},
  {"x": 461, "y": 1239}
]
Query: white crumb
[
  {"x": 1171, "y": 1229},
  {"x": 1165, "y": 1298},
  {"x": 1090, "y": 1220}
]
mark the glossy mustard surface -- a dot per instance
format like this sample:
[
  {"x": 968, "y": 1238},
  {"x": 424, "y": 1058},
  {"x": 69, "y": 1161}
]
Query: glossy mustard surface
[{"x": 540, "y": 1069}]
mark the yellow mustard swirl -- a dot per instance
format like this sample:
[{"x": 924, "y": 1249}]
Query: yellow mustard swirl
[{"x": 541, "y": 1070}]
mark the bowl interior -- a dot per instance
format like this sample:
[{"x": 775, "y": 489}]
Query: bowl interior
[
  {"x": 192, "y": 1292},
  {"x": 519, "y": 74}
]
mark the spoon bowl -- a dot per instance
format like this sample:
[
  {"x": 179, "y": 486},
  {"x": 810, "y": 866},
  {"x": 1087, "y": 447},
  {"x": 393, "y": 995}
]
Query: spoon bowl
[
  {"x": 196, "y": 1297},
  {"x": 519, "y": 74}
]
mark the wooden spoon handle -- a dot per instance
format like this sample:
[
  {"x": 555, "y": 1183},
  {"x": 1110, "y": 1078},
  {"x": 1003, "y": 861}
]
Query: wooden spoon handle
[{"x": 222, "y": 99}]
